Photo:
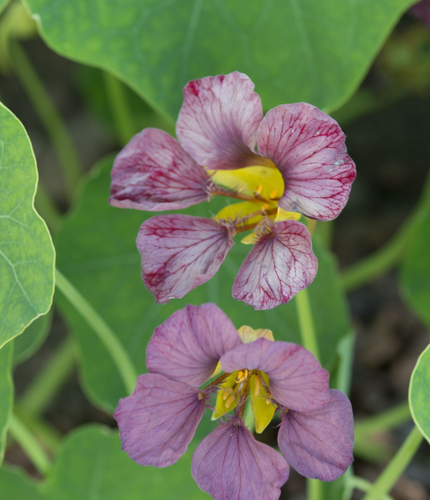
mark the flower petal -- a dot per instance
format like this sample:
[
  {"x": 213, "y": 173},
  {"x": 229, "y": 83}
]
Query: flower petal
[
  {"x": 422, "y": 11},
  {"x": 188, "y": 346},
  {"x": 158, "y": 421},
  {"x": 296, "y": 379},
  {"x": 180, "y": 252},
  {"x": 154, "y": 173},
  {"x": 308, "y": 147},
  {"x": 230, "y": 464},
  {"x": 218, "y": 121},
  {"x": 319, "y": 443},
  {"x": 278, "y": 266}
]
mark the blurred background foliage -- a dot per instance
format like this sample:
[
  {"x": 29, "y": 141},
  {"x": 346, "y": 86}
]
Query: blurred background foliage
[{"x": 131, "y": 62}]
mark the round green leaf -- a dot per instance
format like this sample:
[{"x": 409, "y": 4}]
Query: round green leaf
[
  {"x": 296, "y": 50},
  {"x": 97, "y": 252},
  {"x": 26, "y": 251},
  {"x": 419, "y": 394}
]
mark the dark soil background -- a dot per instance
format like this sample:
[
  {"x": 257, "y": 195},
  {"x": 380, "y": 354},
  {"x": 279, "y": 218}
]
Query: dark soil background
[{"x": 391, "y": 148}]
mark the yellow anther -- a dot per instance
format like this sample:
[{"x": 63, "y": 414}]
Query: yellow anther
[
  {"x": 286, "y": 410},
  {"x": 268, "y": 402},
  {"x": 259, "y": 189},
  {"x": 200, "y": 395},
  {"x": 242, "y": 375},
  {"x": 229, "y": 401},
  {"x": 264, "y": 207},
  {"x": 240, "y": 189},
  {"x": 257, "y": 386},
  {"x": 274, "y": 194}
]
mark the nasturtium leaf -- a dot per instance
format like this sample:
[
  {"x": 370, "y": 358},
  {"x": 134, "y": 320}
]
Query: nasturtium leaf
[
  {"x": 97, "y": 252},
  {"x": 6, "y": 394},
  {"x": 26, "y": 251},
  {"x": 91, "y": 465},
  {"x": 297, "y": 50},
  {"x": 419, "y": 393},
  {"x": 35, "y": 334}
]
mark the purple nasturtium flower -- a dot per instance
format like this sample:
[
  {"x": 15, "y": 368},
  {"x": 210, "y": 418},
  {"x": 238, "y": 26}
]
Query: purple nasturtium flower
[
  {"x": 185, "y": 358},
  {"x": 285, "y": 165}
]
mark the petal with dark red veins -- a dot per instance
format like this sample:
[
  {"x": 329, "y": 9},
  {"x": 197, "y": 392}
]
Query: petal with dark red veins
[
  {"x": 154, "y": 173},
  {"x": 319, "y": 443},
  {"x": 279, "y": 265},
  {"x": 158, "y": 421},
  {"x": 308, "y": 147},
  {"x": 230, "y": 464},
  {"x": 188, "y": 346},
  {"x": 218, "y": 121},
  {"x": 180, "y": 252},
  {"x": 296, "y": 379}
]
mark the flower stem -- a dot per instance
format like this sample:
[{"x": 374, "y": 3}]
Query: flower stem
[
  {"x": 49, "y": 380},
  {"x": 49, "y": 116},
  {"x": 105, "y": 333},
  {"x": 29, "y": 444},
  {"x": 309, "y": 340},
  {"x": 361, "y": 484},
  {"x": 389, "y": 255},
  {"x": 119, "y": 107},
  {"x": 384, "y": 421},
  {"x": 306, "y": 322},
  {"x": 395, "y": 468}
]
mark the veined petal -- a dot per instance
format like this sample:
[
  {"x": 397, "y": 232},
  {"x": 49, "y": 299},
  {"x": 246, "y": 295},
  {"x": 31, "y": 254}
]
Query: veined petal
[
  {"x": 296, "y": 379},
  {"x": 158, "y": 421},
  {"x": 279, "y": 265},
  {"x": 180, "y": 252},
  {"x": 218, "y": 121},
  {"x": 308, "y": 147},
  {"x": 319, "y": 443},
  {"x": 230, "y": 464},
  {"x": 188, "y": 346},
  {"x": 154, "y": 173}
]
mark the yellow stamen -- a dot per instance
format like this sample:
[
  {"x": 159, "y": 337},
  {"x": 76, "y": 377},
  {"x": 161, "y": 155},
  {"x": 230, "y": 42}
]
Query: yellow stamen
[
  {"x": 229, "y": 401},
  {"x": 200, "y": 396},
  {"x": 274, "y": 194},
  {"x": 257, "y": 385},
  {"x": 259, "y": 189},
  {"x": 268, "y": 402},
  {"x": 240, "y": 189},
  {"x": 227, "y": 393},
  {"x": 264, "y": 207},
  {"x": 242, "y": 375}
]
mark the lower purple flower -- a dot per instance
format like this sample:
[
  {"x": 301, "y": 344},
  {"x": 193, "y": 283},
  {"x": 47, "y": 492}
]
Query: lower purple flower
[{"x": 186, "y": 357}]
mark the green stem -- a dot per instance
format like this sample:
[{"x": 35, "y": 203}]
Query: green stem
[
  {"x": 46, "y": 433},
  {"x": 119, "y": 107},
  {"x": 384, "y": 421},
  {"x": 47, "y": 209},
  {"x": 309, "y": 340},
  {"x": 49, "y": 116},
  {"x": 107, "y": 336},
  {"x": 29, "y": 444},
  {"x": 389, "y": 255},
  {"x": 361, "y": 484},
  {"x": 395, "y": 468},
  {"x": 306, "y": 322},
  {"x": 47, "y": 383}
]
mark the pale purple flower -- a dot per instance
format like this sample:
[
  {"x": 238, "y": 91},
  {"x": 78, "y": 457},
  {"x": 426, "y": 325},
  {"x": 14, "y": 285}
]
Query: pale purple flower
[
  {"x": 422, "y": 11},
  {"x": 287, "y": 164},
  {"x": 185, "y": 358}
]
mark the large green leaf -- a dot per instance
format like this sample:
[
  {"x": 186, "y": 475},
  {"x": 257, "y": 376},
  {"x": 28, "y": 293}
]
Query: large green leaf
[
  {"x": 97, "y": 253},
  {"x": 91, "y": 465},
  {"x": 419, "y": 393},
  {"x": 294, "y": 50},
  {"x": 6, "y": 394},
  {"x": 26, "y": 251}
]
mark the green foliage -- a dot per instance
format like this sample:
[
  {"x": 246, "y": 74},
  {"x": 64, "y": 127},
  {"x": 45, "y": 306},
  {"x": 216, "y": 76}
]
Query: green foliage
[
  {"x": 92, "y": 465},
  {"x": 300, "y": 50},
  {"x": 419, "y": 393},
  {"x": 6, "y": 393},
  {"x": 97, "y": 253},
  {"x": 26, "y": 251},
  {"x": 35, "y": 334}
]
